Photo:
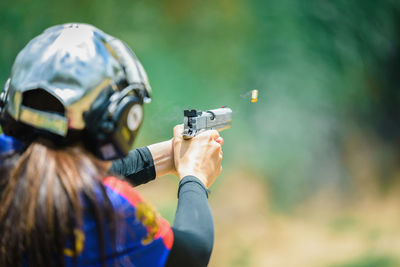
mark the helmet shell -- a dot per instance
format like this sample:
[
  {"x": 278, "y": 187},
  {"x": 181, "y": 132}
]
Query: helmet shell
[{"x": 74, "y": 63}]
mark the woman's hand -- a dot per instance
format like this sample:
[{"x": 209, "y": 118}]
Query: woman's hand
[{"x": 200, "y": 156}]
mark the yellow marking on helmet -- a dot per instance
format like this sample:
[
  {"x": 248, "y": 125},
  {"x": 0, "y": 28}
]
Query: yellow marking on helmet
[
  {"x": 111, "y": 51},
  {"x": 44, "y": 120},
  {"x": 76, "y": 109},
  {"x": 16, "y": 104}
]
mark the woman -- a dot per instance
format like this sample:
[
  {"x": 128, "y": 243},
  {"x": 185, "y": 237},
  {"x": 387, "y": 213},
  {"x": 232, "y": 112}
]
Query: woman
[{"x": 74, "y": 99}]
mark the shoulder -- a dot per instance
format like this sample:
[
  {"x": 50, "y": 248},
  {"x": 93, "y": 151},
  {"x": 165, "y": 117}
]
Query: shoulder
[
  {"x": 127, "y": 201},
  {"x": 116, "y": 187}
]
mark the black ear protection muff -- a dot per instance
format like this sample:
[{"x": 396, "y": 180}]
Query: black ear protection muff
[
  {"x": 114, "y": 118},
  {"x": 112, "y": 124}
]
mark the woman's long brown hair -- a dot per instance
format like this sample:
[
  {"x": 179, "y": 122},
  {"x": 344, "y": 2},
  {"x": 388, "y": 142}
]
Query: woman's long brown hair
[{"x": 41, "y": 204}]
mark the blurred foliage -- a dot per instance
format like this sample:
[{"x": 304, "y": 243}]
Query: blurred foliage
[
  {"x": 371, "y": 261},
  {"x": 322, "y": 68},
  {"x": 345, "y": 224}
]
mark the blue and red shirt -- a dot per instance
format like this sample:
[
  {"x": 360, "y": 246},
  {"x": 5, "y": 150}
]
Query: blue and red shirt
[{"x": 143, "y": 238}]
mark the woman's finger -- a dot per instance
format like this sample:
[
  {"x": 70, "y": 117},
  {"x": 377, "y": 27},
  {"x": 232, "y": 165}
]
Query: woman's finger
[
  {"x": 178, "y": 130},
  {"x": 220, "y": 140}
]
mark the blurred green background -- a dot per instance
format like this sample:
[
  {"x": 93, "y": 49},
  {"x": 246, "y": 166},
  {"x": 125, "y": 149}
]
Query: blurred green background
[{"x": 319, "y": 151}]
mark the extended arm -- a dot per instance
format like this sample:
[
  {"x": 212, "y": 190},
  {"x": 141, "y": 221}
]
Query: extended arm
[
  {"x": 145, "y": 164},
  {"x": 198, "y": 163},
  {"x": 193, "y": 226}
]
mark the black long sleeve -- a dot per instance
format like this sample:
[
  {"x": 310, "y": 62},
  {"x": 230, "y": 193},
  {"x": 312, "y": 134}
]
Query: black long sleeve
[
  {"x": 193, "y": 226},
  {"x": 137, "y": 167}
]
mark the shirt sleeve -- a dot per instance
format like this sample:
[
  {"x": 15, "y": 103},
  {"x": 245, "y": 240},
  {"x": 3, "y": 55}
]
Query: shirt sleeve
[
  {"x": 193, "y": 226},
  {"x": 137, "y": 167}
]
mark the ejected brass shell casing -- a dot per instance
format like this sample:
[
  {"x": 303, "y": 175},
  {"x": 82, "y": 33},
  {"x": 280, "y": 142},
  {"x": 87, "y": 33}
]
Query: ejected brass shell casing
[{"x": 254, "y": 96}]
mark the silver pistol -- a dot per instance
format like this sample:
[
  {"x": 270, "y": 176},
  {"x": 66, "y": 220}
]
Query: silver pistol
[{"x": 196, "y": 121}]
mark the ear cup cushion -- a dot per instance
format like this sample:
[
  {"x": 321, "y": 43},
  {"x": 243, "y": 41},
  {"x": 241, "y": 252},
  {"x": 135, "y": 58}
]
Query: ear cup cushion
[
  {"x": 96, "y": 116},
  {"x": 128, "y": 119},
  {"x": 96, "y": 120}
]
